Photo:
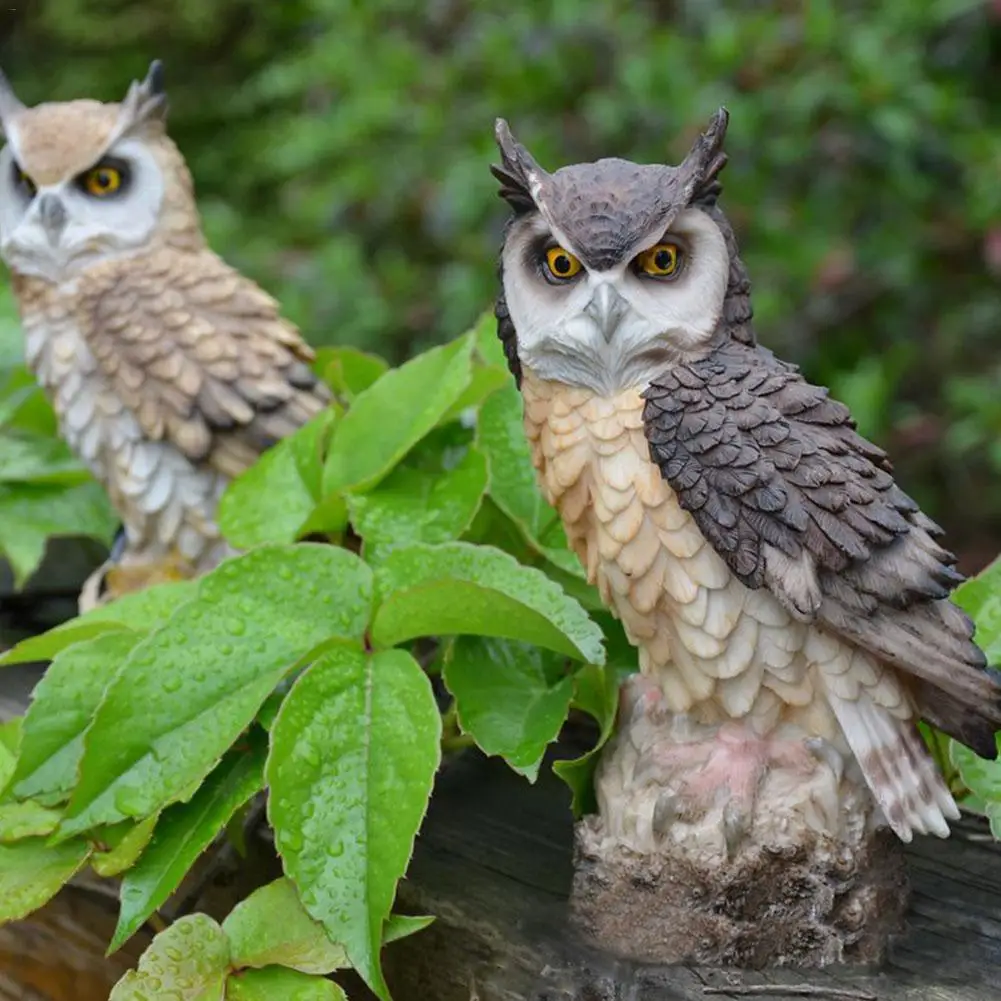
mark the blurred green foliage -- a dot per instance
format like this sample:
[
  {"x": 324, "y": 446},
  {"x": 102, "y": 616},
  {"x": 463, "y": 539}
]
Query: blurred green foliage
[{"x": 341, "y": 149}]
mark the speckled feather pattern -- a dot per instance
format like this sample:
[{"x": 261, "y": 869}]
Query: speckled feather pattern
[{"x": 718, "y": 649}]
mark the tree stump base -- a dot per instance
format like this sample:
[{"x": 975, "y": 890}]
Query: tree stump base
[{"x": 805, "y": 906}]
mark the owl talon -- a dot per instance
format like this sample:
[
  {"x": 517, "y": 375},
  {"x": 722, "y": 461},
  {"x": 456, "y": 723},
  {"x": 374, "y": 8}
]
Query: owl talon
[
  {"x": 666, "y": 811},
  {"x": 827, "y": 754},
  {"x": 736, "y": 825}
]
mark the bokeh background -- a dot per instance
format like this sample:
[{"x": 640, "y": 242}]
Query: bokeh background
[{"x": 340, "y": 151}]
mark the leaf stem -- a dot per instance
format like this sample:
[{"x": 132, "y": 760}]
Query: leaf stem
[{"x": 457, "y": 742}]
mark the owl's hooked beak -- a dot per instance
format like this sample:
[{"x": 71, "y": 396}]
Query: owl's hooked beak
[
  {"x": 607, "y": 308},
  {"x": 52, "y": 214}
]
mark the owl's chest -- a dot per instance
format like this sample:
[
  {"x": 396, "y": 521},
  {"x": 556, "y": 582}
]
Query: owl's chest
[
  {"x": 92, "y": 419},
  {"x": 621, "y": 517},
  {"x": 694, "y": 622},
  {"x": 154, "y": 489}
]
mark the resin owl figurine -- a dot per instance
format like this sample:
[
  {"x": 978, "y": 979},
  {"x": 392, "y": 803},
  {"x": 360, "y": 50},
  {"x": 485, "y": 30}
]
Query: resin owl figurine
[
  {"x": 168, "y": 370},
  {"x": 788, "y": 601}
]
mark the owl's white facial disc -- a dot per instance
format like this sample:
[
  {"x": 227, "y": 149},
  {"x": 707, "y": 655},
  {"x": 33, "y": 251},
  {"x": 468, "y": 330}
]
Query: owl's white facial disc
[
  {"x": 617, "y": 327},
  {"x": 55, "y": 230}
]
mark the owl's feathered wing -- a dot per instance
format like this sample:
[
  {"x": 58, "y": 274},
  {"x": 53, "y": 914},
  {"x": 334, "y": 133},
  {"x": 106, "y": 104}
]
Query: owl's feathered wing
[
  {"x": 200, "y": 354},
  {"x": 796, "y": 501}
]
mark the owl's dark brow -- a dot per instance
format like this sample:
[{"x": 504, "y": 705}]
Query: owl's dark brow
[{"x": 118, "y": 163}]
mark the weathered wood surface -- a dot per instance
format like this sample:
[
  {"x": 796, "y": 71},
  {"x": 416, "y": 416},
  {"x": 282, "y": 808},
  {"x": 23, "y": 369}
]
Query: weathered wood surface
[{"x": 493, "y": 862}]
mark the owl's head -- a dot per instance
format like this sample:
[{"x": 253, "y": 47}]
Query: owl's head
[
  {"x": 83, "y": 181},
  {"x": 614, "y": 270}
]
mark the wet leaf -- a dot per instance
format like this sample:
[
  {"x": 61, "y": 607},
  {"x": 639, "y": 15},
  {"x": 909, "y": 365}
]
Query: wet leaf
[
  {"x": 278, "y": 984},
  {"x": 596, "y": 692},
  {"x": 183, "y": 832},
  {"x": 393, "y": 414},
  {"x": 32, "y": 872},
  {"x": 26, "y": 820},
  {"x": 272, "y": 927},
  {"x": 354, "y": 751},
  {"x": 187, "y": 962},
  {"x": 273, "y": 499},
  {"x": 512, "y": 698},
  {"x": 62, "y": 706},
  {"x": 461, "y": 589},
  {"x": 125, "y": 843},
  {"x": 188, "y": 690},
  {"x": 30, "y": 513},
  {"x": 141, "y": 611},
  {"x": 514, "y": 488},
  {"x": 413, "y": 505}
]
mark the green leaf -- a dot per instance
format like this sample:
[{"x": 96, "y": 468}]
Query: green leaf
[
  {"x": 28, "y": 458},
  {"x": 596, "y": 691},
  {"x": 12, "y": 399},
  {"x": 412, "y": 505},
  {"x": 32, "y": 872},
  {"x": 187, "y": 962},
  {"x": 140, "y": 611},
  {"x": 26, "y": 820},
  {"x": 980, "y": 598},
  {"x": 10, "y": 742},
  {"x": 393, "y": 414},
  {"x": 271, "y": 500},
  {"x": 354, "y": 751},
  {"x": 183, "y": 832},
  {"x": 485, "y": 380},
  {"x": 29, "y": 514},
  {"x": 458, "y": 588},
  {"x": 62, "y": 706},
  {"x": 348, "y": 371},
  {"x": 125, "y": 843},
  {"x": 488, "y": 344},
  {"x": 277, "y": 984},
  {"x": 404, "y": 925},
  {"x": 272, "y": 927},
  {"x": 188, "y": 690},
  {"x": 500, "y": 435},
  {"x": 512, "y": 698}
]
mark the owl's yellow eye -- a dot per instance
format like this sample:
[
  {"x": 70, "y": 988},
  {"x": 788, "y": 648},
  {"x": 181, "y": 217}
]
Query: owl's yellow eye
[
  {"x": 561, "y": 264},
  {"x": 102, "y": 180},
  {"x": 661, "y": 261},
  {"x": 24, "y": 182}
]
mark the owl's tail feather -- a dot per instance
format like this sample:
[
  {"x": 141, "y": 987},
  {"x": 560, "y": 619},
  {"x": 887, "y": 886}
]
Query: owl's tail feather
[{"x": 897, "y": 768}]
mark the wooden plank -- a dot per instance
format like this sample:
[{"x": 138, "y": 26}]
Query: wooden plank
[{"x": 494, "y": 863}]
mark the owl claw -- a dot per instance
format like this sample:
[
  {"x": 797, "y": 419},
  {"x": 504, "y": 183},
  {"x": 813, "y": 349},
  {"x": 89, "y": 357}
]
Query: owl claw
[
  {"x": 827, "y": 754},
  {"x": 736, "y": 826},
  {"x": 665, "y": 812}
]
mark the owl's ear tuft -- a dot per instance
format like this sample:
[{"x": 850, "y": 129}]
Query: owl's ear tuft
[
  {"x": 704, "y": 162},
  {"x": 520, "y": 176},
  {"x": 145, "y": 103},
  {"x": 10, "y": 104}
]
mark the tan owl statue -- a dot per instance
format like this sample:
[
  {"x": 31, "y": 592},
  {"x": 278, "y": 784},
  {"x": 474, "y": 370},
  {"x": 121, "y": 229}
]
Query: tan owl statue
[
  {"x": 168, "y": 370},
  {"x": 789, "y": 602}
]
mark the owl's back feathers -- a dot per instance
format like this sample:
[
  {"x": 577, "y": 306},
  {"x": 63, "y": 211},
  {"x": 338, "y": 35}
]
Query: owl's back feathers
[
  {"x": 795, "y": 500},
  {"x": 200, "y": 354}
]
